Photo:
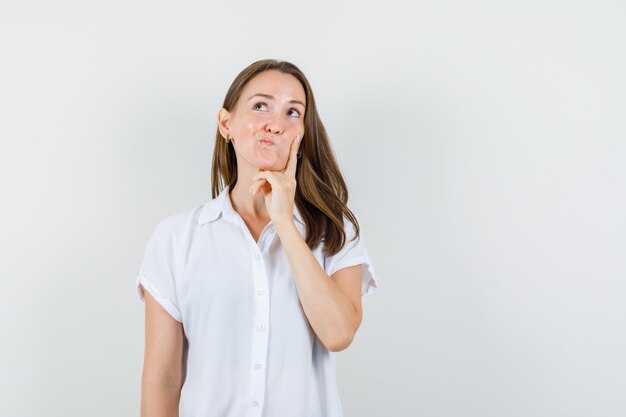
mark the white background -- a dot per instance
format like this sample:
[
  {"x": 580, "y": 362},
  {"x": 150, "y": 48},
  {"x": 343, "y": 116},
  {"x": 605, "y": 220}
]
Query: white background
[{"x": 483, "y": 144}]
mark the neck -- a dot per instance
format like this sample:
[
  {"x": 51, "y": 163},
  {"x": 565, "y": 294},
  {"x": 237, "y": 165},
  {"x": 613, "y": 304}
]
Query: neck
[{"x": 241, "y": 198}]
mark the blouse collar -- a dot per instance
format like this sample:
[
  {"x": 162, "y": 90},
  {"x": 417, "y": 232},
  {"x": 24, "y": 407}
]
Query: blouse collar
[{"x": 222, "y": 204}]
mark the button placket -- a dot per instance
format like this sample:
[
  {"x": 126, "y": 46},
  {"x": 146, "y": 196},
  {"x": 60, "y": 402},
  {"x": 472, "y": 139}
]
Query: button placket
[{"x": 260, "y": 339}]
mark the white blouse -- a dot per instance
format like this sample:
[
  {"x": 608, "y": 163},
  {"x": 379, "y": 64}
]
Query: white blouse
[{"x": 249, "y": 349}]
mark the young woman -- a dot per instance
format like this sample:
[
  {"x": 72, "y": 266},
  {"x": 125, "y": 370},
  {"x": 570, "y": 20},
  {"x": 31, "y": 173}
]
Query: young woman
[{"x": 249, "y": 296}]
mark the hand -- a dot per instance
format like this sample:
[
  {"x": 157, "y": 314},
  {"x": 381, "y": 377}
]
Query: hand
[{"x": 279, "y": 187}]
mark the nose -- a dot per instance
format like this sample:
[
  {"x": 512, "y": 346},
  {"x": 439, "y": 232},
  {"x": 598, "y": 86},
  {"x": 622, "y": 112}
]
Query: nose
[{"x": 274, "y": 126}]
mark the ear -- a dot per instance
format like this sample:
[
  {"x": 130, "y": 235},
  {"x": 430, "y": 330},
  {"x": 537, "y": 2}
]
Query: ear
[{"x": 223, "y": 118}]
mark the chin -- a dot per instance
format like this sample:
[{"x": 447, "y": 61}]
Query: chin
[
  {"x": 269, "y": 163},
  {"x": 271, "y": 166}
]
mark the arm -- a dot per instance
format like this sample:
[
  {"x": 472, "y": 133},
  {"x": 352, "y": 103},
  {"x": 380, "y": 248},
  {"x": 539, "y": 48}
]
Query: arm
[
  {"x": 332, "y": 304},
  {"x": 162, "y": 369}
]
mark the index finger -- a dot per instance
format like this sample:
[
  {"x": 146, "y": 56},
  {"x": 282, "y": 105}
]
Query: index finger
[{"x": 293, "y": 158}]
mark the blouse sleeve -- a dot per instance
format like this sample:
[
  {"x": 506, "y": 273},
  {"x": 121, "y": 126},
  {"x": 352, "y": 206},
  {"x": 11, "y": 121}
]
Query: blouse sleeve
[
  {"x": 353, "y": 253},
  {"x": 156, "y": 274}
]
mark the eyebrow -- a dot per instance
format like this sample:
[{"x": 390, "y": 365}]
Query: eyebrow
[{"x": 272, "y": 98}]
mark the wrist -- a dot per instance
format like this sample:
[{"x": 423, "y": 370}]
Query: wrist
[{"x": 285, "y": 225}]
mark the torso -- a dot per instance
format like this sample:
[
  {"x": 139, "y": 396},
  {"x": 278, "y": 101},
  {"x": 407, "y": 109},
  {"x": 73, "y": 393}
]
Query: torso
[{"x": 224, "y": 291}]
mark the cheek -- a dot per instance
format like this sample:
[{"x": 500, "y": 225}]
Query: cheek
[
  {"x": 254, "y": 121},
  {"x": 284, "y": 153}
]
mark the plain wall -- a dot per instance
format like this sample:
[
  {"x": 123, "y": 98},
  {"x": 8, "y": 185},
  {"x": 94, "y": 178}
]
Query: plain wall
[{"x": 483, "y": 144}]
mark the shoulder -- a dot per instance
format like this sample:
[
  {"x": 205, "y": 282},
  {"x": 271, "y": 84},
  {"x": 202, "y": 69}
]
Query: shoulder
[
  {"x": 178, "y": 224},
  {"x": 350, "y": 229},
  {"x": 350, "y": 236}
]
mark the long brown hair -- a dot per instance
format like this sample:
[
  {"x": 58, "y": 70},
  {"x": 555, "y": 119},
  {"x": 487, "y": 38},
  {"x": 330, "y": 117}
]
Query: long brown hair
[{"x": 321, "y": 192}]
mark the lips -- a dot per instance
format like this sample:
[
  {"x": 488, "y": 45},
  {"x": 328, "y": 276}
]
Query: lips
[{"x": 267, "y": 141}]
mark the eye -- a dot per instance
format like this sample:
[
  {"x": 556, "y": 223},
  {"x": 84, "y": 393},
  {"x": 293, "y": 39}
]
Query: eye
[{"x": 260, "y": 103}]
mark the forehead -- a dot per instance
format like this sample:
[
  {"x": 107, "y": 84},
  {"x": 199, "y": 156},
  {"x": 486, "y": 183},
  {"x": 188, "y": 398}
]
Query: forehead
[{"x": 275, "y": 83}]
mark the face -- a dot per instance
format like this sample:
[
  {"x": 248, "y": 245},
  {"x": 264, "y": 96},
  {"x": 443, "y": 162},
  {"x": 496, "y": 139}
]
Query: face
[{"x": 266, "y": 119}]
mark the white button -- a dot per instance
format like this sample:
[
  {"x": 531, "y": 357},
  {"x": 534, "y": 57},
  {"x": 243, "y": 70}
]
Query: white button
[
  {"x": 255, "y": 403},
  {"x": 260, "y": 328},
  {"x": 260, "y": 292},
  {"x": 257, "y": 366}
]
